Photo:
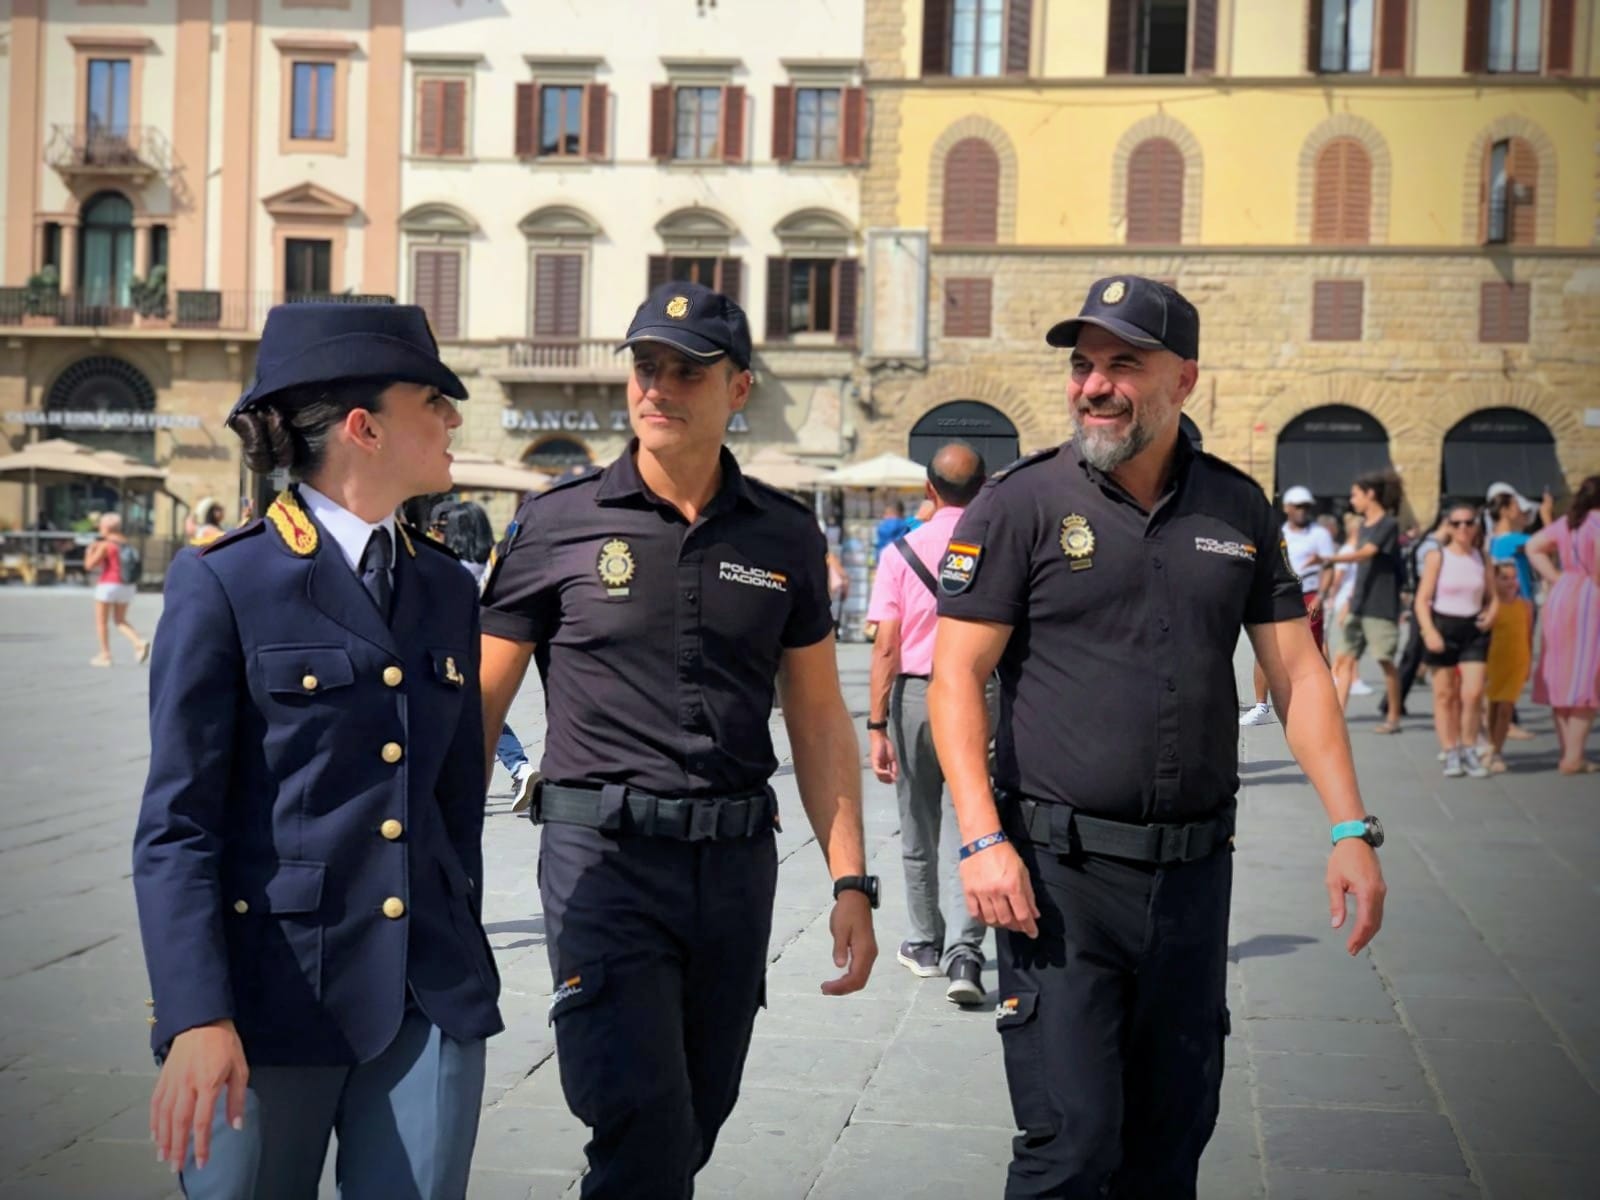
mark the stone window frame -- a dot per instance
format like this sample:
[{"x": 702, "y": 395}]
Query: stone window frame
[
  {"x": 560, "y": 229},
  {"x": 437, "y": 225},
  {"x": 974, "y": 126},
  {"x": 1160, "y": 125},
  {"x": 332, "y": 52},
  {"x": 1544, "y": 201},
  {"x": 1344, "y": 125},
  {"x": 445, "y": 68}
]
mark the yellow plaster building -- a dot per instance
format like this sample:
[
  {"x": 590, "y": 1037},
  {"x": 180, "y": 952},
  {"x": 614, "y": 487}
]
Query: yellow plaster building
[{"x": 1385, "y": 210}]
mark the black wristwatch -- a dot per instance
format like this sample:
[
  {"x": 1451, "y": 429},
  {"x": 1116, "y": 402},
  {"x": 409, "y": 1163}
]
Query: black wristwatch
[
  {"x": 867, "y": 884},
  {"x": 877, "y": 726}
]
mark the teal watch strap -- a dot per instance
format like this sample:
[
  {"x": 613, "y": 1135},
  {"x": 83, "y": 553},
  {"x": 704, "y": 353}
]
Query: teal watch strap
[{"x": 1348, "y": 829}]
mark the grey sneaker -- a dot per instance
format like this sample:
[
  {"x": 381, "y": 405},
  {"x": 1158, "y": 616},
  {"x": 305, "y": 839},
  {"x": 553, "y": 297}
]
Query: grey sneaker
[
  {"x": 1452, "y": 763},
  {"x": 966, "y": 981},
  {"x": 921, "y": 959},
  {"x": 1472, "y": 764}
]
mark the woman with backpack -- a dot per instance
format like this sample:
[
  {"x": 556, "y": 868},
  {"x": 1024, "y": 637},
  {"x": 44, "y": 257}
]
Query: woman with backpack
[{"x": 114, "y": 588}]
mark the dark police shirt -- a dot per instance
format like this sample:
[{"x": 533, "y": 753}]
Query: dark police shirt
[
  {"x": 1118, "y": 692},
  {"x": 659, "y": 641}
]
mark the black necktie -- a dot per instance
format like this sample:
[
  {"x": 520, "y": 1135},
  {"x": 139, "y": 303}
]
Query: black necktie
[{"x": 375, "y": 561}]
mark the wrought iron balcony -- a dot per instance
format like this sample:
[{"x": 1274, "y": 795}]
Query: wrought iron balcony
[{"x": 138, "y": 153}]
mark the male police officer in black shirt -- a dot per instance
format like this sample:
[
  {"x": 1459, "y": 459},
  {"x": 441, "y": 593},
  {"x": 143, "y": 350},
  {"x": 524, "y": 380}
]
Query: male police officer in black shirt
[
  {"x": 662, "y": 599},
  {"x": 1109, "y": 579}
]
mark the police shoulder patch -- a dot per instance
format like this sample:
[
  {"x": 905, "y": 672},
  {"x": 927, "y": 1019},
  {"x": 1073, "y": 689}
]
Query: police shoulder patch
[
  {"x": 1021, "y": 464},
  {"x": 959, "y": 567}
]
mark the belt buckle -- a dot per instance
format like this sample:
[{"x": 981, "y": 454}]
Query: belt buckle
[
  {"x": 704, "y": 817},
  {"x": 1182, "y": 836}
]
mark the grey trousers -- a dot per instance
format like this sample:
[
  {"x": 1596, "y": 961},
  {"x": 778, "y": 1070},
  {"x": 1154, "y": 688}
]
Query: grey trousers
[{"x": 930, "y": 839}]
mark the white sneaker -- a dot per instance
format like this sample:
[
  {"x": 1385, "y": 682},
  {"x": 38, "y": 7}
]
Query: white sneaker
[
  {"x": 1452, "y": 764},
  {"x": 1361, "y": 688},
  {"x": 1257, "y": 714},
  {"x": 1472, "y": 764},
  {"x": 522, "y": 789}
]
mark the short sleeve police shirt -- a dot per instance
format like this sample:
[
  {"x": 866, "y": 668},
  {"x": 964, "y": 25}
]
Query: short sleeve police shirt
[
  {"x": 1118, "y": 693},
  {"x": 659, "y": 641}
]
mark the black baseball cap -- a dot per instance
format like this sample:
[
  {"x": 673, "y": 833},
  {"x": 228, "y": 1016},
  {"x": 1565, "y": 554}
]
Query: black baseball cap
[
  {"x": 1140, "y": 311},
  {"x": 692, "y": 318}
]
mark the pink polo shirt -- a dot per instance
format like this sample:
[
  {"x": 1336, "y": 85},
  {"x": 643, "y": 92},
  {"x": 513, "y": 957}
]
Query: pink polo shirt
[{"x": 898, "y": 595}]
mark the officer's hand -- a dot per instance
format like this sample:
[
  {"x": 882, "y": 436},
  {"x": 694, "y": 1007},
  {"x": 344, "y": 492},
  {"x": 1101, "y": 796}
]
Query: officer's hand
[
  {"x": 999, "y": 891},
  {"x": 202, "y": 1062},
  {"x": 854, "y": 946},
  {"x": 1353, "y": 870},
  {"x": 884, "y": 764}
]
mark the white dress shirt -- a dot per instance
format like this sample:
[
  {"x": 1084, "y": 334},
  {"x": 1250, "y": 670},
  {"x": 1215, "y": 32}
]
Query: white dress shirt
[{"x": 349, "y": 532}]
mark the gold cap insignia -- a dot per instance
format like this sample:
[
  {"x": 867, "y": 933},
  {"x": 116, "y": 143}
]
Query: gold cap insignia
[
  {"x": 293, "y": 524},
  {"x": 1077, "y": 538},
  {"x": 616, "y": 565},
  {"x": 678, "y": 307},
  {"x": 1115, "y": 291}
]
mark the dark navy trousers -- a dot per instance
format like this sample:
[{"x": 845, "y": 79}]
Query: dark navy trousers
[
  {"x": 658, "y": 951},
  {"x": 1112, "y": 1023}
]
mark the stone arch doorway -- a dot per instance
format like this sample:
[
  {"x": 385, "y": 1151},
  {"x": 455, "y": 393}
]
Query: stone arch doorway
[
  {"x": 558, "y": 456},
  {"x": 1325, "y": 448},
  {"x": 982, "y": 426},
  {"x": 1499, "y": 445},
  {"x": 106, "y": 404}
]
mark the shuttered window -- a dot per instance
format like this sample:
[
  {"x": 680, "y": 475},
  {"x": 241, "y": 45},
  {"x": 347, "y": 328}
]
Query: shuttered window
[
  {"x": 566, "y": 120},
  {"x": 1510, "y": 190},
  {"x": 1520, "y": 36},
  {"x": 1155, "y": 193},
  {"x": 725, "y": 275},
  {"x": 977, "y": 37},
  {"x": 436, "y": 287},
  {"x": 695, "y": 123},
  {"x": 819, "y": 124},
  {"x": 811, "y": 295},
  {"x": 1503, "y": 312},
  {"x": 442, "y": 117},
  {"x": 1336, "y": 310},
  {"x": 557, "y": 295},
  {"x": 1152, "y": 37},
  {"x": 1341, "y": 203},
  {"x": 968, "y": 308},
  {"x": 971, "y": 193}
]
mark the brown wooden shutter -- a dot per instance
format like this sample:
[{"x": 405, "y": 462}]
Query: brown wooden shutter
[
  {"x": 1119, "y": 37},
  {"x": 425, "y": 284},
  {"x": 846, "y": 287},
  {"x": 1019, "y": 36},
  {"x": 1204, "y": 59},
  {"x": 557, "y": 295},
  {"x": 1562, "y": 16},
  {"x": 730, "y": 278},
  {"x": 1522, "y": 192},
  {"x": 853, "y": 125},
  {"x": 1476, "y": 59},
  {"x": 658, "y": 272},
  {"x": 1519, "y": 298},
  {"x": 1341, "y": 195},
  {"x": 777, "y": 299},
  {"x": 428, "y": 116},
  {"x": 936, "y": 37},
  {"x": 1336, "y": 310},
  {"x": 783, "y": 124},
  {"x": 968, "y": 307},
  {"x": 596, "y": 97},
  {"x": 661, "y": 121},
  {"x": 1155, "y": 193},
  {"x": 1314, "y": 36},
  {"x": 527, "y": 120},
  {"x": 437, "y": 289},
  {"x": 1392, "y": 36},
  {"x": 453, "y": 115},
  {"x": 733, "y": 123},
  {"x": 971, "y": 193},
  {"x": 1503, "y": 312}
]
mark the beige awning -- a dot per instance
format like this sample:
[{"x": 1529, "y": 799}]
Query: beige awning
[
  {"x": 781, "y": 470},
  {"x": 884, "y": 471},
  {"x": 58, "y": 460},
  {"x": 480, "y": 473}
]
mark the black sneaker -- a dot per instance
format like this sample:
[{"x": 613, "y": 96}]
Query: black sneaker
[
  {"x": 921, "y": 959},
  {"x": 966, "y": 981}
]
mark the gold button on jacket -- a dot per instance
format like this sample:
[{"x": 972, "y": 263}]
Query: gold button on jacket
[
  {"x": 391, "y": 752},
  {"x": 309, "y": 683},
  {"x": 241, "y": 906},
  {"x": 391, "y": 829},
  {"x": 392, "y": 676},
  {"x": 394, "y": 908}
]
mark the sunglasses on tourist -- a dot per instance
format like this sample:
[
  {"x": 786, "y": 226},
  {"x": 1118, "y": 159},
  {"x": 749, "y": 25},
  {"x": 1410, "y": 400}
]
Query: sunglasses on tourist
[{"x": 1463, "y": 524}]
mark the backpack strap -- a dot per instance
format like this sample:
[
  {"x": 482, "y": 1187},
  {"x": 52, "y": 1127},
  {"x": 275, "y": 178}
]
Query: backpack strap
[{"x": 915, "y": 563}]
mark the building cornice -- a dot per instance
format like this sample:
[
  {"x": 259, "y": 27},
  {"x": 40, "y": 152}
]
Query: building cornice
[
  {"x": 307, "y": 45},
  {"x": 110, "y": 41},
  {"x": 1472, "y": 84},
  {"x": 445, "y": 58}
]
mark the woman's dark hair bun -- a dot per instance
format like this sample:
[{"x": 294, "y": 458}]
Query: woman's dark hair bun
[{"x": 268, "y": 443}]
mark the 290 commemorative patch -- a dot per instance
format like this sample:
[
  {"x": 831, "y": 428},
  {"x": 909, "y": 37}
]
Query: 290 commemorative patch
[{"x": 960, "y": 567}]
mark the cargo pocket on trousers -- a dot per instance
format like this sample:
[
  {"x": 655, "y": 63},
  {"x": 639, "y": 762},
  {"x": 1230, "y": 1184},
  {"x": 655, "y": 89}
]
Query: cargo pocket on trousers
[
  {"x": 584, "y": 1046},
  {"x": 1017, "y": 1019},
  {"x": 577, "y": 989}
]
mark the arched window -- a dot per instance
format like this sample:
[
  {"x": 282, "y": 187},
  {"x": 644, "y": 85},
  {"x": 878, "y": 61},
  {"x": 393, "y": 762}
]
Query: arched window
[
  {"x": 105, "y": 266},
  {"x": 1341, "y": 203},
  {"x": 698, "y": 244},
  {"x": 1155, "y": 193},
  {"x": 1510, "y": 192},
  {"x": 559, "y": 243},
  {"x": 437, "y": 240},
  {"x": 971, "y": 193}
]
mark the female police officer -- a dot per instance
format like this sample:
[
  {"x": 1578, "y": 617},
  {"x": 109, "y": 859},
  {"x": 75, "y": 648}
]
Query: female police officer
[{"x": 308, "y": 849}]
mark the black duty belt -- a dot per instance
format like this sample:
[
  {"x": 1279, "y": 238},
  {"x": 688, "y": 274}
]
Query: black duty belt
[
  {"x": 619, "y": 809},
  {"x": 1063, "y": 829}
]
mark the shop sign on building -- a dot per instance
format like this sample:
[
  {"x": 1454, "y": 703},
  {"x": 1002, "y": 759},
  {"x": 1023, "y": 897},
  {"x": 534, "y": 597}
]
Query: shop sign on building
[
  {"x": 104, "y": 419},
  {"x": 581, "y": 420}
]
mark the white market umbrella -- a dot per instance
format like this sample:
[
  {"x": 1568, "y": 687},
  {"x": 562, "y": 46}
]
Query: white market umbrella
[
  {"x": 884, "y": 471},
  {"x": 480, "y": 473},
  {"x": 775, "y": 468}
]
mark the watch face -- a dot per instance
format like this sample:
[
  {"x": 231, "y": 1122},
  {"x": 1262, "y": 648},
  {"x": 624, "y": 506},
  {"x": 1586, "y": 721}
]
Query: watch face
[{"x": 1374, "y": 832}]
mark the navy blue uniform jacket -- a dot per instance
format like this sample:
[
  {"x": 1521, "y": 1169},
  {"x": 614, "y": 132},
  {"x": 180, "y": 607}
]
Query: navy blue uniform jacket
[{"x": 308, "y": 853}]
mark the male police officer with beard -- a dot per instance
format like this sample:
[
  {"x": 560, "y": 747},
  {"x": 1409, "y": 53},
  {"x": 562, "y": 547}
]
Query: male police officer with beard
[
  {"x": 1109, "y": 578},
  {"x": 666, "y": 596}
]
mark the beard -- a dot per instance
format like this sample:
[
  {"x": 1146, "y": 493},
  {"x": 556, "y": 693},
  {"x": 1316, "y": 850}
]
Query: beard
[{"x": 1105, "y": 450}]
